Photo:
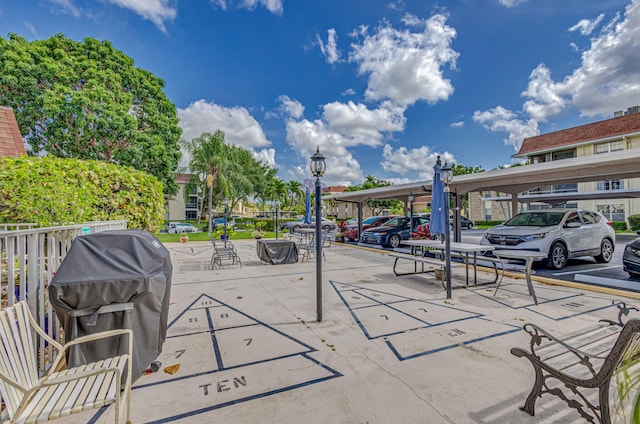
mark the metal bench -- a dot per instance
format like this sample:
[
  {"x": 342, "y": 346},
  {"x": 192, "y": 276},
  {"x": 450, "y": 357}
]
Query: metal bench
[
  {"x": 586, "y": 361},
  {"x": 225, "y": 250}
]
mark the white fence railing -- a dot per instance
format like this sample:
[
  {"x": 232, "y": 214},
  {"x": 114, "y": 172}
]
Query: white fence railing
[{"x": 29, "y": 259}]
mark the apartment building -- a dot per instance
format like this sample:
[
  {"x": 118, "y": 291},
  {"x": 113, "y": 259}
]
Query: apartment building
[{"x": 622, "y": 132}]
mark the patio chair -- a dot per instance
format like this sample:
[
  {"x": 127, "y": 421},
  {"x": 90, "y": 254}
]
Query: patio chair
[
  {"x": 60, "y": 391},
  {"x": 224, "y": 250}
]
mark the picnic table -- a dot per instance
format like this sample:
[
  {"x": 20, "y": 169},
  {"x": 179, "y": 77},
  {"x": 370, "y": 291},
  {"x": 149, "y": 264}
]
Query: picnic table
[
  {"x": 464, "y": 250},
  {"x": 526, "y": 255}
]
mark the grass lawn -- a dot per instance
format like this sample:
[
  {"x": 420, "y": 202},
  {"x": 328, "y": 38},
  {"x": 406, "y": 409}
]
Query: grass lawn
[{"x": 204, "y": 236}]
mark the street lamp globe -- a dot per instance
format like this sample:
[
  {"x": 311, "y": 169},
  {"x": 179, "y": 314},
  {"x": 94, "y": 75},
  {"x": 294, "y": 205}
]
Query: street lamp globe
[
  {"x": 446, "y": 174},
  {"x": 318, "y": 164}
]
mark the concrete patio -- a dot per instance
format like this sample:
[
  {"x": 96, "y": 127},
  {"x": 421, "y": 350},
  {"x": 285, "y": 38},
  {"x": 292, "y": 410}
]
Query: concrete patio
[{"x": 389, "y": 348}]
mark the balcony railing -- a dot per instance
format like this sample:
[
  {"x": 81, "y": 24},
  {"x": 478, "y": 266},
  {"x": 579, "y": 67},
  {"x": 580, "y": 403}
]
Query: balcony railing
[{"x": 29, "y": 258}]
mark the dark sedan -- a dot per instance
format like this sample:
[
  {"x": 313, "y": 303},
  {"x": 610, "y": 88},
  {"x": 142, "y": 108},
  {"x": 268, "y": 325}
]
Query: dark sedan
[
  {"x": 375, "y": 221},
  {"x": 392, "y": 231},
  {"x": 631, "y": 257}
]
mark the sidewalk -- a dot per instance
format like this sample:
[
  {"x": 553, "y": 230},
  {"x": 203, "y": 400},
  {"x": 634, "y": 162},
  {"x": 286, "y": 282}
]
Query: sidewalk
[{"x": 389, "y": 349}]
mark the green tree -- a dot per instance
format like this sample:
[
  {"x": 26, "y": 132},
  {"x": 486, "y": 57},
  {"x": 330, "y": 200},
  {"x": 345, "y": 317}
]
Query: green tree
[
  {"x": 376, "y": 205},
  {"x": 294, "y": 193},
  {"x": 459, "y": 169},
  {"x": 225, "y": 171},
  {"x": 87, "y": 100}
]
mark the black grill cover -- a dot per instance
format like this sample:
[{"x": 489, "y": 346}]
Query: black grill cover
[{"x": 113, "y": 280}]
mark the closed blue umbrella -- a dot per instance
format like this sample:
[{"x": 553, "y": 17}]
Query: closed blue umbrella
[
  {"x": 438, "y": 223},
  {"x": 307, "y": 208}
]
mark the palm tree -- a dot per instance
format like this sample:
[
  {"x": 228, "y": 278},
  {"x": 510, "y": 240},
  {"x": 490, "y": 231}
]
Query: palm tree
[
  {"x": 213, "y": 159},
  {"x": 294, "y": 193}
]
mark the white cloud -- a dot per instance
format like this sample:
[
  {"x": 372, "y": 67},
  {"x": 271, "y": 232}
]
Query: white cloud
[
  {"x": 545, "y": 101},
  {"x": 607, "y": 79},
  {"x": 418, "y": 161},
  {"x": 240, "y": 128},
  {"x": 292, "y": 108},
  {"x": 586, "y": 26},
  {"x": 273, "y": 6},
  {"x": 511, "y": 3},
  {"x": 156, "y": 11},
  {"x": 67, "y": 7},
  {"x": 458, "y": 124},
  {"x": 306, "y": 136},
  {"x": 349, "y": 92},
  {"x": 330, "y": 49},
  {"x": 361, "y": 125},
  {"x": 341, "y": 127},
  {"x": 501, "y": 119},
  {"x": 405, "y": 66}
]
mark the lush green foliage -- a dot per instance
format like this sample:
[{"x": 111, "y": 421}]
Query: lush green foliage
[
  {"x": 634, "y": 222},
  {"x": 231, "y": 172},
  {"x": 50, "y": 191},
  {"x": 87, "y": 100}
]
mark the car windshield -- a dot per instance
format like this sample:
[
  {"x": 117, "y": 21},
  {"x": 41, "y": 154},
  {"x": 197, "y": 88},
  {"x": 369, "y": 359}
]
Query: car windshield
[
  {"x": 536, "y": 219},
  {"x": 396, "y": 222},
  {"x": 370, "y": 220}
]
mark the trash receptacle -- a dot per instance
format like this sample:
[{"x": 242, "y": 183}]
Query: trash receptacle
[{"x": 114, "y": 280}]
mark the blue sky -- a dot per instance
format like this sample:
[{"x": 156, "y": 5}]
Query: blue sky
[{"x": 381, "y": 86}]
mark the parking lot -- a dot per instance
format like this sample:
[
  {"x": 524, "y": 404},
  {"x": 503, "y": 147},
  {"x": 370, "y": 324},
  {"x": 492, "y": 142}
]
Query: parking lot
[{"x": 584, "y": 270}]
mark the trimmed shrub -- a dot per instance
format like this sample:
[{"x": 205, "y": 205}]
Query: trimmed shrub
[
  {"x": 56, "y": 191},
  {"x": 619, "y": 225},
  {"x": 634, "y": 222}
]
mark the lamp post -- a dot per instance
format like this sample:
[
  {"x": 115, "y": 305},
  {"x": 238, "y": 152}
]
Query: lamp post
[
  {"x": 446, "y": 175},
  {"x": 226, "y": 207},
  {"x": 410, "y": 199},
  {"x": 277, "y": 205},
  {"x": 318, "y": 165}
]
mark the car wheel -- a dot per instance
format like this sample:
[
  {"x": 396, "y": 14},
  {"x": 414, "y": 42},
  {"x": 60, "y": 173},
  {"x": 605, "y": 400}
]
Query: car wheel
[
  {"x": 326, "y": 228},
  {"x": 606, "y": 252},
  {"x": 557, "y": 256},
  {"x": 394, "y": 240},
  {"x": 296, "y": 228},
  {"x": 470, "y": 226}
]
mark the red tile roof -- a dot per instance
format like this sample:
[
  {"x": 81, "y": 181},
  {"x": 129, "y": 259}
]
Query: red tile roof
[
  {"x": 619, "y": 126},
  {"x": 11, "y": 144}
]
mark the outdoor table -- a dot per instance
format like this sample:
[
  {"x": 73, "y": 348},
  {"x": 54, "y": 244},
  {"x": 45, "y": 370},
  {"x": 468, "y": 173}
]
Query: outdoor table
[
  {"x": 277, "y": 251},
  {"x": 464, "y": 248},
  {"x": 528, "y": 256}
]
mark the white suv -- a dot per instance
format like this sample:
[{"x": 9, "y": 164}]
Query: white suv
[{"x": 561, "y": 233}]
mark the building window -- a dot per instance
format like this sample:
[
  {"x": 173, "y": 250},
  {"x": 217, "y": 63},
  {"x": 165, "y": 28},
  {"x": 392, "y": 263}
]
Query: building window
[
  {"x": 565, "y": 154},
  {"x": 609, "y": 146},
  {"x": 612, "y": 212},
  {"x": 610, "y": 185},
  {"x": 191, "y": 215}
]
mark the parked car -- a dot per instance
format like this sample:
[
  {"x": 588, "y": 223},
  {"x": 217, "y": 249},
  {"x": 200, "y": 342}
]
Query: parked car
[
  {"x": 466, "y": 223},
  {"x": 392, "y": 232},
  {"x": 631, "y": 257},
  {"x": 181, "y": 227},
  {"x": 561, "y": 233},
  {"x": 293, "y": 226},
  {"x": 374, "y": 221}
]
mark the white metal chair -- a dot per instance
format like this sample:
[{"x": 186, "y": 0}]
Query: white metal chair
[{"x": 61, "y": 391}]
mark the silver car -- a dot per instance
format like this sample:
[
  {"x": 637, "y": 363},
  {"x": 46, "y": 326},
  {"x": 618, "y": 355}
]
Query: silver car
[{"x": 563, "y": 234}]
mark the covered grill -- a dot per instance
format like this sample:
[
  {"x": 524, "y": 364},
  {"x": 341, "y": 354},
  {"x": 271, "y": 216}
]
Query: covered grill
[{"x": 112, "y": 280}]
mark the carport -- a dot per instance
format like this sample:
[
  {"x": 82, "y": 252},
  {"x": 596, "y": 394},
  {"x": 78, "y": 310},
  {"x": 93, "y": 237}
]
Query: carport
[{"x": 516, "y": 180}]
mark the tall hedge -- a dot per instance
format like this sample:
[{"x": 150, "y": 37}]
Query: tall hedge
[{"x": 54, "y": 191}]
